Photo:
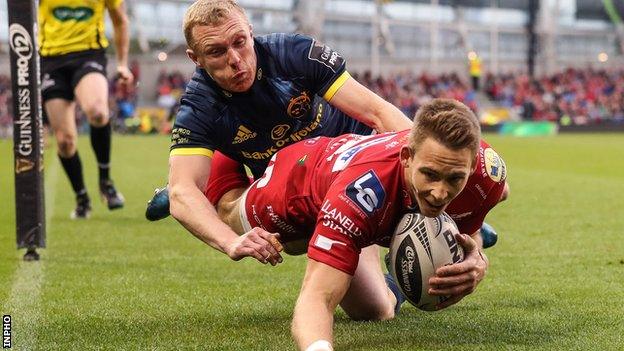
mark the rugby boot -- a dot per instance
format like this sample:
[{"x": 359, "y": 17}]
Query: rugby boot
[
  {"x": 110, "y": 195},
  {"x": 83, "y": 207},
  {"x": 158, "y": 206},
  {"x": 488, "y": 235}
]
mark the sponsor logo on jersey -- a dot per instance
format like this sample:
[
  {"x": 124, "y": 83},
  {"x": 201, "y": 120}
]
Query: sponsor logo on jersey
[
  {"x": 299, "y": 106},
  {"x": 312, "y": 141},
  {"x": 325, "y": 243},
  {"x": 367, "y": 192},
  {"x": 293, "y": 137},
  {"x": 337, "y": 221},
  {"x": 65, "y": 13},
  {"x": 243, "y": 134},
  {"x": 460, "y": 215},
  {"x": 180, "y": 136},
  {"x": 324, "y": 54},
  {"x": 302, "y": 160},
  {"x": 279, "y": 222},
  {"x": 494, "y": 165},
  {"x": 279, "y": 131}
]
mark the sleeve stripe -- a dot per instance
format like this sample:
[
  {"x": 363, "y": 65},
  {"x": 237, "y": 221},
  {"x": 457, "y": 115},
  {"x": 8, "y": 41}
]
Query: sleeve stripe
[
  {"x": 338, "y": 83},
  {"x": 200, "y": 151}
]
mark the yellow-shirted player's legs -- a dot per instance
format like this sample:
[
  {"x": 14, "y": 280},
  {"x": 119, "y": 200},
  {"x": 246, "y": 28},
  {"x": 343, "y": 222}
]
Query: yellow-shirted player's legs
[
  {"x": 92, "y": 95},
  {"x": 62, "y": 117}
]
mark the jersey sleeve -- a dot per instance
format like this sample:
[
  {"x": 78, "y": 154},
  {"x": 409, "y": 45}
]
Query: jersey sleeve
[
  {"x": 333, "y": 240},
  {"x": 192, "y": 134},
  {"x": 475, "y": 221},
  {"x": 323, "y": 68}
]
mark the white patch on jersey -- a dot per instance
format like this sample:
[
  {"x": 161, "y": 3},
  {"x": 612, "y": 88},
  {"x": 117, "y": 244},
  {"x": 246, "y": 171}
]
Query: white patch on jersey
[
  {"x": 326, "y": 243},
  {"x": 348, "y": 151}
]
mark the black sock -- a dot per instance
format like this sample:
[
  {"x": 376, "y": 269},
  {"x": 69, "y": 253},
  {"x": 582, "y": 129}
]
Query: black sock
[
  {"x": 73, "y": 169},
  {"x": 101, "y": 143}
]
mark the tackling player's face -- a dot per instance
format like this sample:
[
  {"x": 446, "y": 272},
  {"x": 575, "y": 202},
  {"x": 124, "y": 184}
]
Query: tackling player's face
[
  {"x": 226, "y": 52},
  {"x": 435, "y": 174}
]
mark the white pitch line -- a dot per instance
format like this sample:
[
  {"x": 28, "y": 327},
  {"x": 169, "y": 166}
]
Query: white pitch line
[{"x": 24, "y": 303}]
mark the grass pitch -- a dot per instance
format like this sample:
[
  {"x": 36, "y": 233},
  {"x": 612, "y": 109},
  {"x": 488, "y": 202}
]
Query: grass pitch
[{"x": 118, "y": 282}]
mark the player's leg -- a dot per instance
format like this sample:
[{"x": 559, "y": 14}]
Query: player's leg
[
  {"x": 369, "y": 297},
  {"x": 62, "y": 119},
  {"x": 92, "y": 95},
  {"x": 225, "y": 174}
]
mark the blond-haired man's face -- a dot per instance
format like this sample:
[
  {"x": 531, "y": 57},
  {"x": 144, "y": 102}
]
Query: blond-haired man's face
[{"x": 226, "y": 52}]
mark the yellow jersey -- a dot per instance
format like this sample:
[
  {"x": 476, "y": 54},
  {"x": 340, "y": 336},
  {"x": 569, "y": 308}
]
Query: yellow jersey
[{"x": 67, "y": 26}]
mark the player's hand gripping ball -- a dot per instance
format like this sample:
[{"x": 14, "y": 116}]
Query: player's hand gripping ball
[{"x": 419, "y": 246}]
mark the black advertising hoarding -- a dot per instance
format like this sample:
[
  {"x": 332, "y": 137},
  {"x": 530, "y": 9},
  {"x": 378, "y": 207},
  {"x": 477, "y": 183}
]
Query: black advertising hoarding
[{"x": 27, "y": 124}]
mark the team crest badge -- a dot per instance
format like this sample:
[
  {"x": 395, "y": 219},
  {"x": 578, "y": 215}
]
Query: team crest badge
[
  {"x": 494, "y": 165},
  {"x": 299, "y": 106},
  {"x": 279, "y": 131}
]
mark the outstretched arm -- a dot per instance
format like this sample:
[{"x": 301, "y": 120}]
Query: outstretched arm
[
  {"x": 188, "y": 175},
  {"x": 313, "y": 320},
  {"x": 359, "y": 102}
]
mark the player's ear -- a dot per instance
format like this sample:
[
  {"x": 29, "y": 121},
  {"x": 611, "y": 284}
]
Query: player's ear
[
  {"x": 406, "y": 155},
  {"x": 191, "y": 54}
]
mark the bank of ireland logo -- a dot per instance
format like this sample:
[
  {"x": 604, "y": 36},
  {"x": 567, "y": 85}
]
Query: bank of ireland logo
[
  {"x": 367, "y": 192},
  {"x": 299, "y": 106},
  {"x": 20, "y": 41}
]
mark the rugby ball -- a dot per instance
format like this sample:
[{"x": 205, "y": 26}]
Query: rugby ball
[{"x": 419, "y": 246}]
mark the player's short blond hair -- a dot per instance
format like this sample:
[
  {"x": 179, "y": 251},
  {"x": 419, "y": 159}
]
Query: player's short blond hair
[
  {"x": 206, "y": 13},
  {"x": 449, "y": 122}
]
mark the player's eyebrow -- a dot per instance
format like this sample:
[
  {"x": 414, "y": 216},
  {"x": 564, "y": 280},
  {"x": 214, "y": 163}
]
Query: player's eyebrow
[
  {"x": 208, "y": 45},
  {"x": 425, "y": 169}
]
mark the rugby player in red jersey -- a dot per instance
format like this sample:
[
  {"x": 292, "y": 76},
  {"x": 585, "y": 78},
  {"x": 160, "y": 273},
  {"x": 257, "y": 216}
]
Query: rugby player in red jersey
[{"x": 332, "y": 197}]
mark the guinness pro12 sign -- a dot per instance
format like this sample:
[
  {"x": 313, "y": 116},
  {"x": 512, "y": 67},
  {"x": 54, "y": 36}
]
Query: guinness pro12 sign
[{"x": 27, "y": 124}]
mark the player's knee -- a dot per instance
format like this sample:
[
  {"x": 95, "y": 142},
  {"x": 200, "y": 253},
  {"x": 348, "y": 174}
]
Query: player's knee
[
  {"x": 97, "y": 114},
  {"x": 66, "y": 144},
  {"x": 380, "y": 312}
]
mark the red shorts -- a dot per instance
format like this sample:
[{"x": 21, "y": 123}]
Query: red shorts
[{"x": 225, "y": 175}]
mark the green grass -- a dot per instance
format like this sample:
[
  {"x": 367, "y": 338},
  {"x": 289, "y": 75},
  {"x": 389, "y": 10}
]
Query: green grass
[{"x": 118, "y": 282}]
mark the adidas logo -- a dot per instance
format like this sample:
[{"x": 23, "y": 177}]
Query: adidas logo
[{"x": 243, "y": 134}]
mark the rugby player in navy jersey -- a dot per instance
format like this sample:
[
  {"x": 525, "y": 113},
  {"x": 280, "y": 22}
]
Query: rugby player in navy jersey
[{"x": 249, "y": 97}]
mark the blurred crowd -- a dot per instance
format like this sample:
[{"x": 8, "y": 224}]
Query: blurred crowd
[
  {"x": 408, "y": 91},
  {"x": 574, "y": 96},
  {"x": 169, "y": 88}
]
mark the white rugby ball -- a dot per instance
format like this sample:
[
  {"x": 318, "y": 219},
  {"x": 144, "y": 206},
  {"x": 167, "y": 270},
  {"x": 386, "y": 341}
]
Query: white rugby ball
[{"x": 419, "y": 246}]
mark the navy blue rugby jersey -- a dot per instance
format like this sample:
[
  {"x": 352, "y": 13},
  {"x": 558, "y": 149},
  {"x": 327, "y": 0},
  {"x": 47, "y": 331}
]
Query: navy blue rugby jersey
[{"x": 296, "y": 76}]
